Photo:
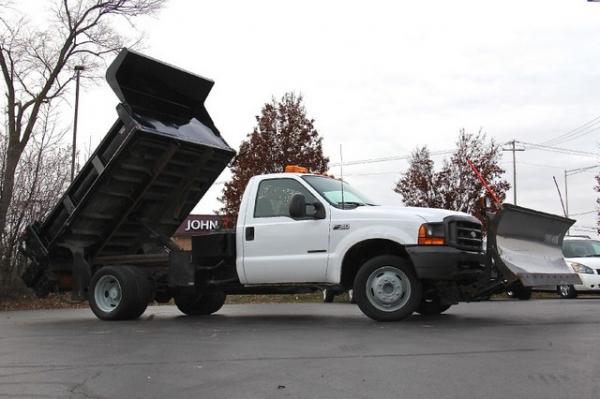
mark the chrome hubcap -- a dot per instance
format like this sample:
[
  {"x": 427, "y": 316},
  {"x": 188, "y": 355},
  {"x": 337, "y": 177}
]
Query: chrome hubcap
[
  {"x": 388, "y": 289},
  {"x": 564, "y": 290},
  {"x": 107, "y": 293}
]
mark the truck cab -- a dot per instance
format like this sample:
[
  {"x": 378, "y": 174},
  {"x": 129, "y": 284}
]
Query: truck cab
[{"x": 306, "y": 228}]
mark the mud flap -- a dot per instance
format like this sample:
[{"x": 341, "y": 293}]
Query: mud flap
[{"x": 526, "y": 245}]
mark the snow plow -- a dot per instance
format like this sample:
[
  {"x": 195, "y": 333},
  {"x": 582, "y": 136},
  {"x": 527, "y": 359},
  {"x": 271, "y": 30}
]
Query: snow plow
[{"x": 526, "y": 245}]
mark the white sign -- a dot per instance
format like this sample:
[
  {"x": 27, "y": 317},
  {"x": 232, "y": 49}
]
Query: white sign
[{"x": 198, "y": 225}]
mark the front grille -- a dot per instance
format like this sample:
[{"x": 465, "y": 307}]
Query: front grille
[{"x": 464, "y": 234}]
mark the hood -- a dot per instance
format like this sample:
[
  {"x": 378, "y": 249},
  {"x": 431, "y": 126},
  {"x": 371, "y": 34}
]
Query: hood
[{"x": 403, "y": 212}]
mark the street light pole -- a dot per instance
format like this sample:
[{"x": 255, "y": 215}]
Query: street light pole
[{"x": 78, "y": 69}]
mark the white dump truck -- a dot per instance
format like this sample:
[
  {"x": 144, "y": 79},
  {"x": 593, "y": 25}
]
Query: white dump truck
[{"x": 107, "y": 239}]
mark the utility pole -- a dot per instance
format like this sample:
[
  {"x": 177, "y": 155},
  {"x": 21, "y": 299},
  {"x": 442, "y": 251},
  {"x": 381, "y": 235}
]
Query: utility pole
[
  {"x": 78, "y": 69},
  {"x": 566, "y": 196},
  {"x": 513, "y": 148}
]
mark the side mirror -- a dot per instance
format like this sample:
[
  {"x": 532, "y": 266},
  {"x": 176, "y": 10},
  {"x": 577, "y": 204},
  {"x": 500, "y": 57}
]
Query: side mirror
[
  {"x": 319, "y": 210},
  {"x": 298, "y": 206}
]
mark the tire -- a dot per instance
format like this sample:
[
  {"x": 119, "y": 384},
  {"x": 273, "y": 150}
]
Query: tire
[
  {"x": 119, "y": 293},
  {"x": 162, "y": 297},
  {"x": 517, "y": 290},
  {"x": 387, "y": 289},
  {"x": 207, "y": 303},
  {"x": 567, "y": 291},
  {"x": 328, "y": 296},
  {"x": 431, "y": 307}
]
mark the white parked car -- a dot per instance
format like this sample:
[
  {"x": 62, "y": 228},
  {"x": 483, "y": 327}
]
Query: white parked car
[{"x": 583, "y": 256}]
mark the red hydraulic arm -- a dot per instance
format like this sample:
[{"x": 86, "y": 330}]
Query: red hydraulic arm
[{"x": 485, "y": 183}]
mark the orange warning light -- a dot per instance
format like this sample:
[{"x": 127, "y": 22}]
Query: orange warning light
[{"x": 295, "y": 169}]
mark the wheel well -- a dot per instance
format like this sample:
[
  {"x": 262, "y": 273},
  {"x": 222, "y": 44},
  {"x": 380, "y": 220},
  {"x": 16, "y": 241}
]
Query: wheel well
[{"x": 361, "y": 252}]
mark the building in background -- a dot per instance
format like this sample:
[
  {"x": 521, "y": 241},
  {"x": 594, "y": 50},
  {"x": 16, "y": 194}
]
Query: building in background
[{"x": 196, "y": 225}]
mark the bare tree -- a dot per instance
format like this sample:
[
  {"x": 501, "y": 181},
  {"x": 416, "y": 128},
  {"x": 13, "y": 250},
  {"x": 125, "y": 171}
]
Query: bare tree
[
  {"x": 40, "y": 178},
  {"x": 37, "y": 65}
]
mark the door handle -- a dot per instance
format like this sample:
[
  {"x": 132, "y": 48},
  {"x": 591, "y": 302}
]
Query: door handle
[{"x": 249, "y": 233}]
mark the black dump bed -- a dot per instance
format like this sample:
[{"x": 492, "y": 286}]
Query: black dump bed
[{"x": 154, "y": 165}]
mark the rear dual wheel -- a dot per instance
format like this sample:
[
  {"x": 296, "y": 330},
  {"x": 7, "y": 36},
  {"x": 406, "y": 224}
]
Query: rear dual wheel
[{"x": 119, "y": 293}]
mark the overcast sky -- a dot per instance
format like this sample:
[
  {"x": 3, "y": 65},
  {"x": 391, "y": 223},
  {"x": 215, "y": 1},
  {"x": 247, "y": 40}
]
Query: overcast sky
[{"x": 384, "y": 77}]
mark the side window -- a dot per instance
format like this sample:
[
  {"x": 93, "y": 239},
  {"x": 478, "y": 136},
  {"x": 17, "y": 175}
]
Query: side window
[{"x": 274, "y": 195}]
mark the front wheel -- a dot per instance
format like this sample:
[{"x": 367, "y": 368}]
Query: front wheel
[
  {"x": 567, "y": 291},
  {"x": 387, "y": 289},
  {"x": 205, "y": 304}
]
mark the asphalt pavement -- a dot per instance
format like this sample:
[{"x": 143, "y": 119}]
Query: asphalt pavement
[{"x": 496, "y": 349}]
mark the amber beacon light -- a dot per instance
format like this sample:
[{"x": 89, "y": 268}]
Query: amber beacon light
[{"x": 295, "y": 169}]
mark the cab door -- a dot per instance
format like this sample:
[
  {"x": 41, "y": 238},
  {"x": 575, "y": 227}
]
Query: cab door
[{"x": 278, "y": 248}]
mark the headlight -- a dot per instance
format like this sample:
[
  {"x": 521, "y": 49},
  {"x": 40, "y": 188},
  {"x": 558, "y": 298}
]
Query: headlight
[
  {"x": 431, "y": 234},
  {"x": 579, "y": 268}
]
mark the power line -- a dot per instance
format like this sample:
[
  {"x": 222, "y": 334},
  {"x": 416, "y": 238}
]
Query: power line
[
  {"x": 390, "y": 158},
  {"x": 585, "y": 228},
  {"x": 539, "y": 165},
  {"x": 578, "y": 136},
  {"x": 583, "y": 213},
  {"x": 579, "y": 131},
  {"x": 570, "y": 172},
  {"x": 561, "y": 150},
  {"x": 375, "y": 173}
]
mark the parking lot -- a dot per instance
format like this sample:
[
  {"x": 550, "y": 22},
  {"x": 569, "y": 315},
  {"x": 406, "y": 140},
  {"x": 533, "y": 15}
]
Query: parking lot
[{"x": 496, "y": 349}]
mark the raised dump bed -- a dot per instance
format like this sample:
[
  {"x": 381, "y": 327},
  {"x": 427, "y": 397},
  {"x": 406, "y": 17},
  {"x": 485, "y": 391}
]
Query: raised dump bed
[{"x": 156, "y": 162}]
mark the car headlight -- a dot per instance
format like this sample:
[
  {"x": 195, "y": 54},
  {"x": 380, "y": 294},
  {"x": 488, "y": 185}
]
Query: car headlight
[
  {"x": 431, "y": 234},
  {"x": 579, "y": 268}
]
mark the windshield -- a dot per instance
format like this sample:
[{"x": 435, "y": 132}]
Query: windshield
[
  {"x": 331, "y": 190},
  {"x": 581, "y": 248}
]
